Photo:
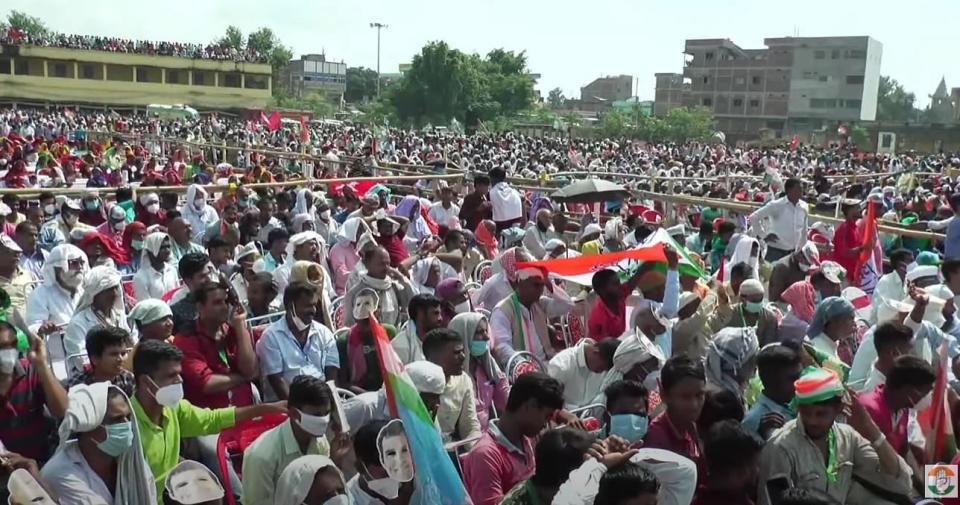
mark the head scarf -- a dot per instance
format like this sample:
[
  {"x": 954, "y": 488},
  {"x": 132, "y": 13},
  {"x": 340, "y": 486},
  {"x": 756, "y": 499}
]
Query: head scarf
[
  {"x": 299, "y": 220},
  {"x": 297, "y": 478},
  {"x": 60, "y": 257},
  {"x": 486, "y": 239},
  {"x": 86, "y": 408},
  {"x": 301, "y": 272},
  {"x": 741, "y": 254},
  {"x": 729, "y": 350},
  {"x": 348, "y": 232},
  {"x": 448, "y": 288},
  {"x": 633, "y": 350},
  {"x": 817, "y": 385},
  {"x": 300, "y": 239},
  {"x": 801, "y": 296},
  {"x": 151, "y": 244},
  {"x": 539, "y": 203},
  {"x": 508, "y": 264},
  {"x": 933, "y": 312},
  {"x": 426, "y": 376},
  {"x": 466, "y": 325},
  {"x": 128, "y": 232},
  {"x": 193, "y": 192},
  {"x": 418, "y": 227},
  {"x": 301, "y": 206},
  {"x": 828, "y": 309},
  {"x": 613, "y": 230},
  {"x": 421, "y": 271},
  {"x": 98, "y": 280},
  {"x": 110, "y": 248},
  {"x": 751, "y": 287},
  {"x": 148, "y": 311}
]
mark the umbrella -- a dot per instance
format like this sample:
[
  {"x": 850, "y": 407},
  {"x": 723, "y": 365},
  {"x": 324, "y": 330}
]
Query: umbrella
[{"x": 589, "y": 191}]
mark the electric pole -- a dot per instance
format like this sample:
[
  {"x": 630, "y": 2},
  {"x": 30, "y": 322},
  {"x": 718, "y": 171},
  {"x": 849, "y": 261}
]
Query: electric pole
[{"x": 378, "y": 26}]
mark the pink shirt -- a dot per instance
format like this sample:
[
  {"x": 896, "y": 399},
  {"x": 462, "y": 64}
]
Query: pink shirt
[
  {"x": 343, "y": 259},
  {"x": 489, "y": 393},
  {"x": 495, "y": 465},
  {"x": 876, "y": 405}
]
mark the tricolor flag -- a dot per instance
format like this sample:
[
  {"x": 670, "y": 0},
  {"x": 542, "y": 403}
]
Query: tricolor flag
[
  {"x": 437, "y": 479},
  {"x": 304, "y": 131},
  {"x": 935, "y": 421},
  {"x": 867, "y": 272}
]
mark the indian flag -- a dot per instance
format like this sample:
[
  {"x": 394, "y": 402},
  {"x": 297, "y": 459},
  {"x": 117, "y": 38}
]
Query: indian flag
[
  {"x": 935, "y": 421},
  {"x": 437, "y": 479}
]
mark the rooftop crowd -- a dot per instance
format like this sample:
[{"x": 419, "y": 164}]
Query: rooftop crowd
[{"x": 761, "y": 357}]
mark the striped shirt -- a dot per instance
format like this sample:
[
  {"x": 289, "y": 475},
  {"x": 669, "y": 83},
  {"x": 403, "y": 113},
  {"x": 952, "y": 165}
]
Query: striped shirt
[{"x": 24, "y": 427}]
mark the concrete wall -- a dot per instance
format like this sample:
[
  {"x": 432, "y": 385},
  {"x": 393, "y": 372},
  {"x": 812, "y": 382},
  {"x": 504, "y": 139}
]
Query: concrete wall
[
  {"x": 821, "y": 87},
  {"x": 871, "y": 81}
]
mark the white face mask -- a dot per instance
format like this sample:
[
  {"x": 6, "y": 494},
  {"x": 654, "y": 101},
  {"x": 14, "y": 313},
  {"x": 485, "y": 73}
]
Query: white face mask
[
  {"x": 297, "y": 322},
  {"x": 153, "y": 207},
  {"x": 385, "y": 487},
  {"x": 71, "y": 279},
  {"x": 340, "y": 499},
  {"x": 924, "y": 402},
  {"x": 168, "y": 395},
  {"x": 8, "y": 360},
  {"x": 325, "y": 215},
  {"x": 49, "y": 209},
  {"x": 120, "y": 226},
  {"x": 314, "y": 425},
  {"x": 199, "y": 204}
]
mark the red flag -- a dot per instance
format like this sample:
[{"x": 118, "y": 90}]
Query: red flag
[
  {"x": 304, "y": 131},
  {"x": 794, "y": 143},
  {"x": 272, "y": 122},
  {"x": 865, "y": 259}
]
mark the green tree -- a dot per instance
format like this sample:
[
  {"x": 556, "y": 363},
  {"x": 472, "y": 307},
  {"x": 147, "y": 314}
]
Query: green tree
[
  {"x": 232, "y": 38},
  {"x": 262, "y": 41},
  {"x": 894, "y": 103},
  {"x": 614, "y": 124},
  {"x": 361, "y": 84},
  {"x": 555, "y": 98},
  {"x": 316, "y": 102},
  {"x": 31, "y": 25},
  {"x": 689, "y": 123}
]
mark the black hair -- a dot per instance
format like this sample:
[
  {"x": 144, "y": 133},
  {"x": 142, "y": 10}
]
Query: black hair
[
  {"x": 741, "y": 270},
  {"x": 625, "y": 389},
  {"x": 889, "y": 334},
  {"x": 955, "y": 202},
  {"x": 602, "y": 277},
  {"x": 729, "y": 447},
  {"x": 452, "y": 239},
  {"x": 678, "y": 368},
  {"x": 625, "y": 482},
  {"x": 421, "y": 302},
  {"x": 791, "y": 183},
  {"x": 805, "y": 496},
  {"x": 263, "y": 278},
  {"x": 365, "y": 442},
  {"x": 192, "y": 263},
  {"x": 216, "y": 242},
  {"x": 45, "y": 195},
  {"x": 11, "y": 199},
  {"x": 901, "y": 255},
  {"x": 101, "y": 337},
  {"x": 24, "y": 226},
  {"x": 719, "y": 404},
  {"x": 536, "y": 386},
  {"x": 497, "y": 175},
  {"x": 124, "y": 193},
  {"x": 706, "y": 228},
  {"x": 910, "y": 371},
  {"x": 8, "y": 327},
  {"x": 295, "y": 290},
  {"x": 558, "y": 453},
  {"x": 308, "y": 390},
  {"x": 726, "y": 227},
  {"x": 774, "y": 358},
  {"x": 481, "y": 179},
  {"x": 949, "y": 268},
  {"x": 277, "y": 234},
  {"x": 150, "y": 354},
  {"x": 608, "y": 348},
  {"x": 437, "y": 338},
  {"x": 203, "y": 292},
  {"x": 173, "y": 215}
]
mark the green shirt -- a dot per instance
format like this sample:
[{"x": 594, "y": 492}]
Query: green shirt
[
  {"x": 521, "y": 494},
  {"x": 161, "y": 444},
  {"x": 127, "y": 205}
]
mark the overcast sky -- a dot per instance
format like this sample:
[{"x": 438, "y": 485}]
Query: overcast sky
[{"x": 568, "y": 43}]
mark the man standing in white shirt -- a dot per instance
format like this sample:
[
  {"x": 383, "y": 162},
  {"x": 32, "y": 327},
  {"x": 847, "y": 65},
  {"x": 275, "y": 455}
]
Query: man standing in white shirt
[
  {"x": 786, "y": 230},
  {"x": 507, "y": 206},
  {"x": 445, "y": 212}
]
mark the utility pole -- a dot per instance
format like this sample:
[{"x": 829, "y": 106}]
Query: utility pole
[{"x": 378, "y": 26}]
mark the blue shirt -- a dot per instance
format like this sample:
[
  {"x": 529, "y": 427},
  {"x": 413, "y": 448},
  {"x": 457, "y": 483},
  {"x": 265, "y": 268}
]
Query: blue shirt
[
  {"x": 281, "y": 353},
  {"x": 33, "y": 263},
  {"x": 764, "y": 406},
  {"x": 951, "y": 246}
]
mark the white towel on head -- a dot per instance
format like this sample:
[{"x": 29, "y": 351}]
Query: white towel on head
[
  {"x": 86, "y": 408},
  {"x": 426, "y": 376}
]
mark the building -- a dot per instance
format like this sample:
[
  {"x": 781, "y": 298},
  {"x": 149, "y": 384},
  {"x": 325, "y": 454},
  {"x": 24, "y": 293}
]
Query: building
[
  {"x": 598, "y": 96},
  {"x": 794, "y": 84},
  {"x": 669, "y": 92},
  {"x": 312, "y": 73},
  {"x": 942, "y": 106},
  {"x": 88, "y": 77}
]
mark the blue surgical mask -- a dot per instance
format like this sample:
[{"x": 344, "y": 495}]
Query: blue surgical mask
[
  {"x": 119, "y": 439},
  {"x": 753, "y": 307},
  {"x": 479, "y": 347},
  {"x": 92, "y": 204},
  {"x": 630, "y": 427}
]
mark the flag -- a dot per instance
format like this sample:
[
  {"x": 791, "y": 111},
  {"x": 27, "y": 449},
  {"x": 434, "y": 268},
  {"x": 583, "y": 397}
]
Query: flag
[
  {"x": 359, "y": 188},
  {"x": 866, "y": 273},
  {"x": 935, "y": 421},
  {"x": 794, "y": 143},
  {"x": 272, "y": 122},
  {"x": 304, "y": 131},
  {"x": 828, "y": 362},
  {"x": 437, "y": 478}
]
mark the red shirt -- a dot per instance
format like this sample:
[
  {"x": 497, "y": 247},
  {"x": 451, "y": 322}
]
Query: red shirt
[
  {"x": 202, "y": 358},
  {"x": 876, "y": 405},
  {"x": 662, "y": 434},
  {"x": 845, "y": 238},
  {"x": 25, "y": 427},
  {"x": 603, "y": 323}
]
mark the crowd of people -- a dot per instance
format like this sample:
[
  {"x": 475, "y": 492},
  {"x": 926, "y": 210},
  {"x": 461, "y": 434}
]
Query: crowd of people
[
  {"x": 120, "y": 45},
  {"x": 751, "y": 358}
]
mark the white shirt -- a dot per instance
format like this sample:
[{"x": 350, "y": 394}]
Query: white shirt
[
  {"x": 580, "y": 385},
  {"x": 50, "y": 302},
  {"x": 786, "y": 220},
  {"x": 366, "y": 407},
  {"x": 444, "y": 216},
  {"x": 492, "y": 292},
  {"x": 70, "y": 478},
  {"x": 823, "y": 344},
  {"x": 149, "y": 283},
  {"x": 555, "y": 305},
  {"x": 407, "y": 344},
  {"x": 890, "y": 288},
  {"x": 506, "y": 203},
  {"x": 75, "y": 335},
  {"x": 359, "y": 496}
]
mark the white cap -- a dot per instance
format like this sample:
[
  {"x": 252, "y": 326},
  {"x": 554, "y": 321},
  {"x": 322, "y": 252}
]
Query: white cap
[{"x": 9, "y": 243}]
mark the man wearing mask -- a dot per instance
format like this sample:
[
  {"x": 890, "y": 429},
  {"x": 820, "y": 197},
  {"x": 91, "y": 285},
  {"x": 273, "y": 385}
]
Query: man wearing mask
[
  {"x": 51, "y": 305},
  {"x": 164, "y": 417},
  {"x": 792, "y": 268},
  {"x": 180, "y": 232},
  {"x": 105, "y": 462},
  {"x": 627, "y": 411},
  {"x": 157, "y": 274},
  {"x": 309, "y": 405},
  {"x": 779, "y": 367},
  {"x": 752, "y": 312},
  {"x": 115, "y": 223},
  {"x": 15, "y": 281},
  {"x": 539, "y": 232}
]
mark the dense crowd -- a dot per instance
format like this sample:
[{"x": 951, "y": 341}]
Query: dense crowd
[
  {"x": 649, "y": 355},
  {"x": 120, "y": 45}
]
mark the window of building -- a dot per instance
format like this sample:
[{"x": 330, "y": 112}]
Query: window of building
[
  {"x": 708, "y": 56},
  {"x": 201, "y": 78},
  {"x": 255, "y": 81},
  {"x": 855, "y": 54},
  {"x": 707, "y": 102},
  {"x": 739, "y": 81},
  {"x": 755, "y": 80},
  {"x": 854, "y": 104},
  {"x": 230, "y": 80},
  {"x": 176, "y": 77},
  {"x": 119, "y": 73},
  {"x": 854, "y": 79},
  {"x": 886, "y": 140},
  {"x": 823, "y": 78},
  {"x": 819, "y": 55},
  {"x": 823, "y": 103},
  {"x": 738, "y": 102},
  {"x": 755, "y": 103},
  {"x": 835, "y": 54},
  {"x": 57, "y": 70},
  {"x": 706, "y": 79},
  {"x": 88, "y": 71},
  {"x": 5, "y": 66}
]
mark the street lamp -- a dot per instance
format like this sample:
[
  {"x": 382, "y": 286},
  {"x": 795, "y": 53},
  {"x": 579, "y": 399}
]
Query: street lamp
[{"x": 378, "y": 26}]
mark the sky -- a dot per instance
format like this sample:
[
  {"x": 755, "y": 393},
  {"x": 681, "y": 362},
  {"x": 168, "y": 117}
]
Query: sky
[{"x": 568, "y": 43}]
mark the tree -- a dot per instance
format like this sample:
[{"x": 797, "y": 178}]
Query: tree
[
  {"x": 894, "y": 103},
  {"x": 314, "y": 102},
  {"x": 361, "y": 84},
  {"x": 684, "y": 124},
  {"x": 31, "y": 25},
  {"x": 233, "y": 38},
  {"x": 614, "y": 124},
  {"x": 555, "y": 98},
  {"x": 262, "y": 41}
]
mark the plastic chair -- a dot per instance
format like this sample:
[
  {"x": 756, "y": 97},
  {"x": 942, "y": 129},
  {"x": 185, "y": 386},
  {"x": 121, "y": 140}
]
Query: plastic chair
[
  {"x": 338, "y": 316},
  {"x": 236, "y": 440},
  {"x": 483, "y": 271},
  {"x": 521, "y": 363},
  {"x": 574, "y": 328}
]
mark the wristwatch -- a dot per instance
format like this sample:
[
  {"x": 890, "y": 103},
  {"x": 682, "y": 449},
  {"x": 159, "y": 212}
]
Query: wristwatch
[{"x": 881, "y": 439}]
